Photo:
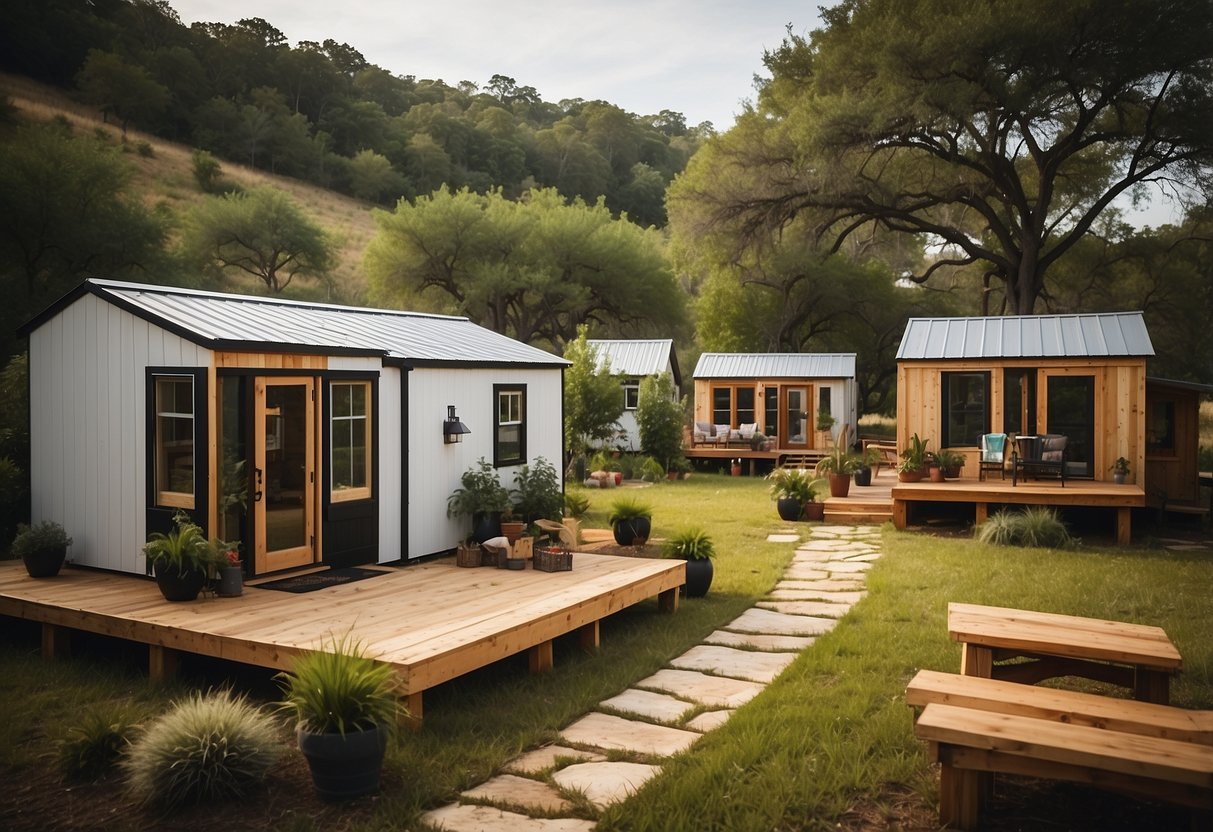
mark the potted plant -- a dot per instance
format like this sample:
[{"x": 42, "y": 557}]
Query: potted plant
[
  {"x": 949, "y": 463},
  {"x": 511, "y": 527},
  {"x": 913, "y": 460},
  {"x": 825, "y": 420},
  {"x": 42, "y": 547},
  {"x": 631, "y": 521},
  {"x": 695, "y": 547},
  {"x": 838, "y": 465},
  {"x": 794, "y": 490},
  {"x": 1120, "y": 470},
  {"x": 181, "y": 560},
  {"x": 537, "y": 492},
  {"x": 735, "y": 467},
  {"x": 231, "y": 568},
  {"x": 345, "y": 706},
  {"x": 867, "y": 461},
  {"x": 482, "y": 497}
]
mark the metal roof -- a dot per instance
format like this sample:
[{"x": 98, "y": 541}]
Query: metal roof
[
  {"x": 1027, "y": 336},
  {"x": 222, "y": 321},
  {"x": 638, "y": 357},
  {"x": 775, "y": 365}
]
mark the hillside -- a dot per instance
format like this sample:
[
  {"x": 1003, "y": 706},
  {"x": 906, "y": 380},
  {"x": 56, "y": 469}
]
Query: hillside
[{"x": 166, "y": 178}]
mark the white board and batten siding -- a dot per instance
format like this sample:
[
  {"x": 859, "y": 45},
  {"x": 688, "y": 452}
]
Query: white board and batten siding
[
  {"x": 88, "y": 392},
  {"x": 435, "y": 467}
]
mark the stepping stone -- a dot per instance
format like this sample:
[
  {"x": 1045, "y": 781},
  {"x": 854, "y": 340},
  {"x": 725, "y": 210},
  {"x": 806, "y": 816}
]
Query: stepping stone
[
  {"x": 783, "y": 538},
  {"x": 465, "y": 818},
  {"x": 656, "y": 706},
  {"x": 822, "y": 608},
  {"x": 846, "y": 567},
  {"x": 756, "y": 620},
  {"x": 825, "y": 585},
  {"x": 713, "y": 691},
  {"x": 778, "y": 594},
  {"x": 805, "y": 556},
  {"x": 737, "y": 664},
  {"x": 708, "y": 720},
  {"x": 862, "y": 558},
  {"x": 835, "y": 546},
  {"x": 605, "y": 783},
  {"x": 512, "y": 790},
  {"x": 805, "y": 573},
  {"x": 755, "y": 641},
  {"x": 617, "y": 733},
  {"x": 542, "y": 759}
]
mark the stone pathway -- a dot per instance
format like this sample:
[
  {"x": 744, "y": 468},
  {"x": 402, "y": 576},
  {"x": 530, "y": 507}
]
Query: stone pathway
[{"x": 666, "y": 713}]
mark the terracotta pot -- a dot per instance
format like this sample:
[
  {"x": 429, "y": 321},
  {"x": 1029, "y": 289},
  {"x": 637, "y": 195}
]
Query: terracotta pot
[
  {"x": 618, "y": 478},
  {"x": 936, "y": 473},
  {"x": 814, "y": 511},
  {"x": 736, "y": 470},
  {"x": 512, "y": 529},
  {"x": 840, "y": 485},
  {"x": 909, "y": 476}
]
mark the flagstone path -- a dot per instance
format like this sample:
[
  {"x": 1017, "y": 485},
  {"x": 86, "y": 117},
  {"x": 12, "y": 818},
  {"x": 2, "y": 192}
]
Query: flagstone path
[{"x": 667, "y": 712}]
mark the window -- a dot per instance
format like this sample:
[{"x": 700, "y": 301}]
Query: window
[
  {"x": 966, "y": 413},
  {"x": 631, "y": 394},
  {"x": 745, "y": 406},
  {"x": 823, "y": 400},
  {"x": 350, "y": 440},
  {"x": 1019, "y": 401},
  {"x": 722, "y": 405},
  {"x": 174, "y": 448},
  {"x": 770, "y": 422},
  {"x": 509, "y": 440},
  {"x": 1160, "y": 427}
]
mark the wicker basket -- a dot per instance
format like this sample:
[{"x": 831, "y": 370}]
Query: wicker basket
[
  {"x": 551, "y": 559},
  {"x": 468, "y": 555}
]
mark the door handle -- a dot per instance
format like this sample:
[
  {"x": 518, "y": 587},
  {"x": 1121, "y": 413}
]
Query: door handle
[{"x": 257, "y": 493}]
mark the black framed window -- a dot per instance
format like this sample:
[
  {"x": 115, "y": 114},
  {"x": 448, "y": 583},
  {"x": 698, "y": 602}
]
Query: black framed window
[
  {"x": 509, "y": 436},
  {"x": 722, "y": 405},
  {"x": 745, "y": 406},
  {"x": 966, "y": 408},
  {"x": 770, "y": 422}
]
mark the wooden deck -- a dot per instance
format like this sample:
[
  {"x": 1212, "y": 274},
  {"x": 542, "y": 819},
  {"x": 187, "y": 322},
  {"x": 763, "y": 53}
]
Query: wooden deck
[{"x": 433, "y": 621}]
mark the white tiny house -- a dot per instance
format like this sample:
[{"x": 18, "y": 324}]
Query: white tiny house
[
  {"x": 633, "y": 361},
  {"x": 312, "y": 433}
]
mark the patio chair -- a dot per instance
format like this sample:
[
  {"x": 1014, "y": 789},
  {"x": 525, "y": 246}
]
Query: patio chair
[
  {"x": 993, "y": 454},
  {"x": 1044, "y": 454}
]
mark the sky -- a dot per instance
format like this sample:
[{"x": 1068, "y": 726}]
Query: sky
[{"x": 696, "y": 57}]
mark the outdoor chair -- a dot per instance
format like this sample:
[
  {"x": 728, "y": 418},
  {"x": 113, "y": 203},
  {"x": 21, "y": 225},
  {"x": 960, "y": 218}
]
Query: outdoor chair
[
  {"x": 993, "y": 454},
  {"x": 1040, "y": 455}
]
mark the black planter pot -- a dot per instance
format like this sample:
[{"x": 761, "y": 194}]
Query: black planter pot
[
  {"x": 863, "y": 476},
  {"x": 344, "y": 765},
  {"x": 789, "y": 508},
  {"x": 44, "y": 563},
  {"x": 633, "y": 532},
  {"x": 180, "y": 586},
  {"x": 486, "y": 525},
  {"x": 699, "y": 577}
]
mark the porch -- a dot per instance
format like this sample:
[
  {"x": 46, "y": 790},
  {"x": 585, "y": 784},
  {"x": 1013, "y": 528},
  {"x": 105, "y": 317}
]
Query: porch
[
  {"x": 433, "y": 621},
  {"x": 779, "y": 457}
]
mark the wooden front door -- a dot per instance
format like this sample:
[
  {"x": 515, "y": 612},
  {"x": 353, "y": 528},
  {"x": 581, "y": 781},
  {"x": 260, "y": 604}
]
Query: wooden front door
[{"x": 284, "y": 473}]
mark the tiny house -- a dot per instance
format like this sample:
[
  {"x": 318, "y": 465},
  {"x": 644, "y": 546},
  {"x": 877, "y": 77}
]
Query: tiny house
[
  {"x": 310, "y": 432},
  {"x": 634, "y": 361},
  {"x": 1083, "y": 376},
  {"x": 782, "y": 393}
]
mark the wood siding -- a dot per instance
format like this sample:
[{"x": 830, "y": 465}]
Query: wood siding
[
  {"x": 1120, "y": 385},
  {"x": 1172, "y": 475},
  {"x": 843, "y": 402},
  {"x": 88, "y": 417}
]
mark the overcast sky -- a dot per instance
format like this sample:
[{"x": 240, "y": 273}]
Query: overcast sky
[{"x": 696, "y": 57}]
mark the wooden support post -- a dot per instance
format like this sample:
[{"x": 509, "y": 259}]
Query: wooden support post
[
  {"x": 959, "y": 797},
  {"x": 899, "y": 514},
  {"x": 976, "y": 660},
  {"x": 412, "y": 703},
  {"x": 589, "y": 636},
  {"x": 540, "y": 657},
  {"x": 1152, "y": 686},
  {"x": 56, "y": 642},
  {"x": 668, "y": 600},
  {"x": 981, "y": 513},
  {"x": 161, "y": 663},
  {"x": 1124, "y": 526}
]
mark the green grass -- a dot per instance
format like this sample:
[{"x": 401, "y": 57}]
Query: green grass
[{"x": 828, "y": 734}]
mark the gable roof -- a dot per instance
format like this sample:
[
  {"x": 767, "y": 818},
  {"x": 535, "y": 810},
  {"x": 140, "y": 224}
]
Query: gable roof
[
  {"x": 225, "y": 322},
  {"x": 638, "y": 357},
  {"x": 1027, "y": 336},
  {"x": 776, "y": 365}
]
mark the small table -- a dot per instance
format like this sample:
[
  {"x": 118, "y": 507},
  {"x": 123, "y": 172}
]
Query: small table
[{"x": 1135, "y": 656}]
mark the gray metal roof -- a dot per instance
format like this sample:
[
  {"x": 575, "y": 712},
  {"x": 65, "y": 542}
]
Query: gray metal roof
[
  {"x": 637, "y": 357},
  {"x": 1027, "y": 336},
  {"x": 775, "y": 365},
  {"x": 221, "y": 321}
]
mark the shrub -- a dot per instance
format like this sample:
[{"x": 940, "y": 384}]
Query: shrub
[
  {"x": 652, "y": 470},
  {"x": 537, "y": 492},
  {"x": 96, "y": 744},
  {"x": 1038, "y": 527},
  {"x": 44, "y": 536},
  {"x": 689, "y": 544},
  {"x": 339, "y": 688},
  {"x": 208, "y": 747},
  {"x": 576, "y": 505},
  {"x": 145, "y": 150}
]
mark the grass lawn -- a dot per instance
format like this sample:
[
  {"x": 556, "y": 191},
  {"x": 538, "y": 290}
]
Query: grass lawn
[{"x": 828, "y": 744}]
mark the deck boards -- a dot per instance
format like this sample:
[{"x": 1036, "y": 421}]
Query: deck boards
[{"x": 433, "y": 621}]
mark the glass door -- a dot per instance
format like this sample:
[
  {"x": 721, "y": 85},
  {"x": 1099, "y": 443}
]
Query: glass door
[
  {"x": 796, "y": 417},
  {"x": 284, "y": 478},
  {"x": 1071, "y": 412}
]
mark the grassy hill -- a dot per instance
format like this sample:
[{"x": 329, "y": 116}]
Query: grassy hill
[{"x": 165, "y": 177}]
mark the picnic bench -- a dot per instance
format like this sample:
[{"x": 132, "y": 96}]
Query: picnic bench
[{"x": 1045, "y": 645}]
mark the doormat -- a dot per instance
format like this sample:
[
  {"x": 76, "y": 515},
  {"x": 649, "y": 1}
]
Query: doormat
[{"x": 319, "y": 580}]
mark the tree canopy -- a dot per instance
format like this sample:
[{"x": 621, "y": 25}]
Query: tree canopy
[{"x": 998, "y": 130}]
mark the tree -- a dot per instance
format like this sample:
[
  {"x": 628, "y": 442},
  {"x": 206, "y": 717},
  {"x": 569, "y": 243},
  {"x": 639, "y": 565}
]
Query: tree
[
  {"x": 372, "y": 177},
  {"x": 659, "y": 416},
  {"x": 593, "y": 398},
  {"x": 260, "y": 232},
  {"x": 122, "y": 89},
  {"x": 1000, "y": 129}
]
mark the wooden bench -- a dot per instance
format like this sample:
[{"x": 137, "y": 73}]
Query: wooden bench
[
  {"x": 886, "y": 452},
  {"x": 971, "y": 744},
  {"x": 1134, "y": 656}
]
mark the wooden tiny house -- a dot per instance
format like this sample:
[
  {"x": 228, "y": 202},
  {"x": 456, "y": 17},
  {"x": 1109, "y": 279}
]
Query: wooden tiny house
[
  {"x": 1173, "y": 442},
  {"x": 312, "y": 433},
  {"x": 1083, "y": 376}
]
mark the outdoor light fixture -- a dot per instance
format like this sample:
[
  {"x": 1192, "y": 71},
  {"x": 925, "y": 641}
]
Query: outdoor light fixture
[{"x": 453, "y": 429}]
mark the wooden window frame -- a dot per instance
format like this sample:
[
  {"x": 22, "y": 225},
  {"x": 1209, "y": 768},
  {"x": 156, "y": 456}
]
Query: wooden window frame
[
  {"x": 165, "y": 496},
  {"x": 511, "y": 390},
  {"x": 362, "y": 492}
]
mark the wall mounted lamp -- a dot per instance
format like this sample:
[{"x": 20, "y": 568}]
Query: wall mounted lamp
[{"x": 453, "y": 429}]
